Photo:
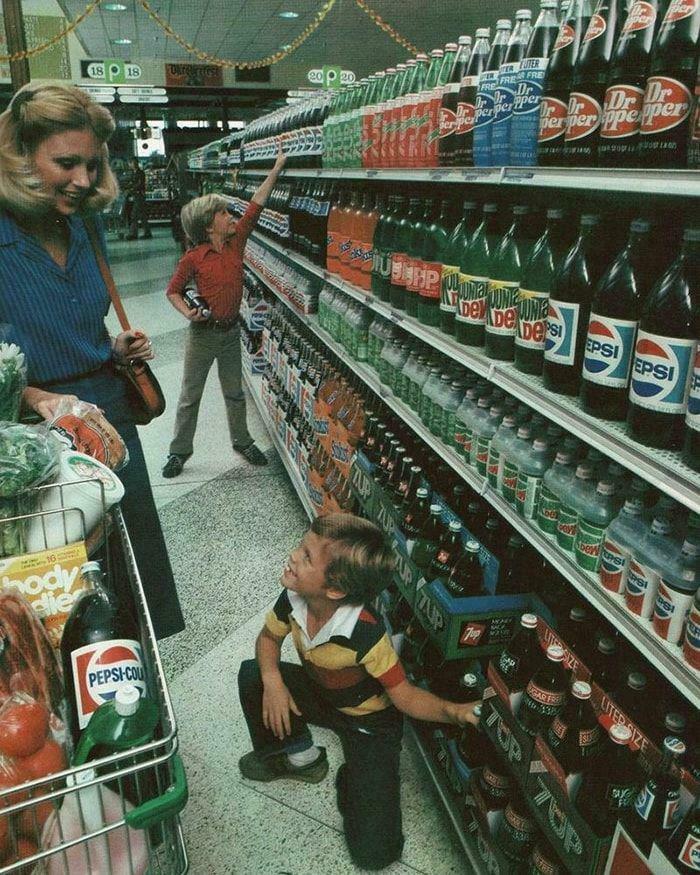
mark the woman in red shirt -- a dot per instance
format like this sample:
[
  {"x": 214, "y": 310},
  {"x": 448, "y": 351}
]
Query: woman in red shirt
[{"x": 215, "y": 265}]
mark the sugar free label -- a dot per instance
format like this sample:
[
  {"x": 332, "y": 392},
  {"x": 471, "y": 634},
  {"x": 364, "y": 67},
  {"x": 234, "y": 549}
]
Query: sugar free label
[
  {"x": 661, "y": 372},
  {"x": 562, "y": 329},
  {"x": 607, "y": 357}
]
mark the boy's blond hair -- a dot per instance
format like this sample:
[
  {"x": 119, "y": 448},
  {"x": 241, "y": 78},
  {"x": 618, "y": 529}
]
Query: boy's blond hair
[
  {"x": 361, "y": 562},
  {"x": 198, "y": 214}
]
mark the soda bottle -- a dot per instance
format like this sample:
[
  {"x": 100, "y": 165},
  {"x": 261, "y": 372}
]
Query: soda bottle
[
  {"x": 631, "y": 698},
  {"x": 380, "y": 280},
  {"x": 512, "y": 456},
  {"x": 415, "y": 274},
  {"x": 528, "y": 87},
  {"x": 691, "y": 640},
  {"x": 445, "y": 73},
  {"x": 595, "y": 514},
  {"x": 567, "y": 316},
  {"x": 517, "y": 831},
  {"x": 448, "y": 550},
  {"x": 694, "y": 140},
  {"x": 557, "y": 85},
  {"x": 657, "y": 808},
  {"x": 588, "y": 86},
  {"x": 98, "y": 630},
  {"x": 691, "y": 447},
  {"x": 668, "y": 97},
  {"x": 127, "y": 721},
  {"x": 522, "y": 656},
  {"x": 606, "y": 793},
  {"x": 415, "y": 517},
  {"x": 531, "y": 470},
  {"x": 392, "y": 114},
  {"x": 486, "y": 92},
  {"x": 623, "y": 534},
  {"x": 399, "y": 256},
  {"x": 555, "y": 483},
  {"x": 533, "y": 295},
  {"x": 504, "y": 281},
  {"x": 574, "y": 736},
  {"x": 477, "y": 420},
  {"x": 427, "y": 392},
  {"x": 415, "y": 83},
  {"x": 571, "y": 499},
  {"x": 543, "y": 860},
  {"x": 426, "y": 543},
  {"x": 466, "y": 100},
  {"x": 507, "y": 430},
  {"x": 447, "y": 144},
  {"x": 475, "y": 517},
  {"x": 545, "y": 693},
  {"x": 434, "y": 247},
  {"x": 422, "y": 124},
  {"x": 494, "y": 783},
  {"x": 473, "y": 746},
  {"x": 514, "y": 570},
  {"x": 683, "y": 845},
  {"x": 624, "y": 94},
  {"x": 505, "y": 88},
  {"x": 676, "y": 593},
  {"x": 484, "y": 430},
  {"x": 651, "y": 557},
  {"x": 664, "y": 351},
  {"x": 452, "y": 255},
  {"x": 466, "y": 576},
  {"x": 475, "y": 267},
  {"x": 612, "y": 326}
]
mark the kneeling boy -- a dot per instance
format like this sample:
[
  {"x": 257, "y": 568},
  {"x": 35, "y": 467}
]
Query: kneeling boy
[{"x": 350, "y": 680}]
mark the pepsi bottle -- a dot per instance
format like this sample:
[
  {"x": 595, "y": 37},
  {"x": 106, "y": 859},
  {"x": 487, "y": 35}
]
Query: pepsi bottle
[
  {"x": 100, "y": 650},
  {"x": 665, "y": 351},
  {"x": 612, "y": 327}
]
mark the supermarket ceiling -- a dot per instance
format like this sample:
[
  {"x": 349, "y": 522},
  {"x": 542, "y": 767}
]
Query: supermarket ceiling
[{"x": 251, "y": 29}]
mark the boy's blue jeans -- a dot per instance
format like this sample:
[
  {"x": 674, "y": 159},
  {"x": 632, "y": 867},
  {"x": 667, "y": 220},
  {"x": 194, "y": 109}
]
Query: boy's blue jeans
[{"x": 369, "y": 789}]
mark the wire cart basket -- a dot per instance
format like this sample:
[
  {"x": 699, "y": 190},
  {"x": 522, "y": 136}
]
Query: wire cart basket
[{"x": 118, "y": 815}]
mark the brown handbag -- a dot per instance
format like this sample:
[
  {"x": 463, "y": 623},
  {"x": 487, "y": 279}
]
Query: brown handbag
[{"x": 144, "y": 394}]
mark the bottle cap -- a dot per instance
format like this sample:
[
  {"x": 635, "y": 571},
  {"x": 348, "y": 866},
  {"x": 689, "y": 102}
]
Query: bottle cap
[
  {"x": 86, "y": 567},
  {"x": 470, "y": 680},
  {"x": 636, "y": 681},
  {"x": 435, "y": 509},
  {"x": 529, "y": 621},
  {"x": 490, "y": 208},
  {"x": 606, "y": 645},
  {"x": 524, "y": 431},
  {"x": 563, "y": 457},
  {"x": 422, "y": 492},
  {"x": 521, "y": 210},
  {"x": 604, "y": 487},
  {"x": 691, "y": 235},
  {"x": 523, "y": 13},
  {"x": 555, "y": 653},
  {"x": 465, "y": 40},
  {"x": 492, "y": 523},
  {"x": 472, "y": 546},
  {"x": 588, "y": 220},
  {"x": 540, "y": 444},
  {"x": 549, "y": 4},
  {"x": 675, "y": 723},
  {"x": 126, "y": 700},
  {"x": 555, "y": 212},
  {"x": 640, "y": 226},
  {"x": 450, "y": 47},
  {"x": 581, "y": 690},
  {"x": 503, "y": 24},
  {"x": 455, "y": 526},
  {"x": 578, "y": 614},
  {"x": 437, "y": 53},
  {"x": 620, "y": 734},
  {"x": 674, "y": 746},
  {"x": 584, "y": 471},
  {"x": 483, "y": 32}
]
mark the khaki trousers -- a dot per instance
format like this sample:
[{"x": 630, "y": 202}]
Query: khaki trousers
[{"x": 204, "y": 346}]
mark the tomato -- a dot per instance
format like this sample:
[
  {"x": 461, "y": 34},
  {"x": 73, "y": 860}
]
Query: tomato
[
  {"x": 23, "y": 728},
  {"x": 25, "y": 848},
  {"x": 48, "y": 759},
  {"x": 12, "y": 775}
]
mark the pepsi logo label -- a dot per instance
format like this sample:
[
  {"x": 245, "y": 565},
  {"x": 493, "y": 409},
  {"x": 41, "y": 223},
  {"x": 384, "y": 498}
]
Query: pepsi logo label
[
  {"x": 99, "y": 670},
  {"x": 693, "y": 415},
  {"x": 609, "y": 347},
  {"x": 640, "y": 589},
  {"x": 614, "y": 563},
  {"x": 690, "y": 852},
  {"x": 670, "y": 612},
  {"x": 661, "y": 372},
  {"x": 562, "y": 327},
  {"x": 691, "y": 645}
]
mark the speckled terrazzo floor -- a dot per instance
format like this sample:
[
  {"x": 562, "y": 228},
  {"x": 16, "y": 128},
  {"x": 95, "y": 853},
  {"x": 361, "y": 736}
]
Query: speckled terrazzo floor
[{"x": 229, "y": 528}]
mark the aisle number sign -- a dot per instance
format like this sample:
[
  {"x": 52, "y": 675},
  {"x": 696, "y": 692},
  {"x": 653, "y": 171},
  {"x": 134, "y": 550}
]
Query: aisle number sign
[
  {"x": 330, "y": 77},
  {"x": 112, "y": 70}
]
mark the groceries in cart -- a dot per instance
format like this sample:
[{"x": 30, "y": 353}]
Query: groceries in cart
[
  {"x": 13, "y": 381},
  {"x": 82, "y": 427}
]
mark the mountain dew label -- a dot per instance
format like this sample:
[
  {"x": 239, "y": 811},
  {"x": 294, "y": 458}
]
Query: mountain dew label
[
  {"x": 492, "y": 465},
  {"x": 449, "y": 288},
  {"x": 589, "y": 544},
  {"x": 527, "y": 493},
  {"x": 414, "y": 395},
  {"x": 448, "y": 427},
  {"x": 566, "y": 527},
  {"x": 548, "y": 511},
  {"x": 509, "y": 481},
  {"x": 436, "y": 420},
  {"x": 481, "y": 456},
  {"x": 502, "y": 307},
  {"x": 381, "y": 263},
  {"x": 531, "y": 327},
  {"x": 471, "y": 299}
]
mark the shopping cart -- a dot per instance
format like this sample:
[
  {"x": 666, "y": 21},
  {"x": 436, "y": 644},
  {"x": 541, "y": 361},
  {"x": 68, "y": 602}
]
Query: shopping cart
[
  {"x": 115, "y": 216},
  {"x": 117, "y": 815}
]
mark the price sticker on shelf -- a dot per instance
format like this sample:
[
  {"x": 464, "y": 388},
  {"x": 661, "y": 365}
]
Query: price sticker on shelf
[
  {"x": 395, "y": 317},
  {"x": 370, "y": 173},
  {"x": 437, "y": 174}
]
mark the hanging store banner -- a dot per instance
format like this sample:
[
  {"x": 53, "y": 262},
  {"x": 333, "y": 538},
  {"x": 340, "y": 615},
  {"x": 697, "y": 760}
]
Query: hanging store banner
[
  {"x": 194, "y": 75},
  {"x": 52, "y": 63},
  {"x": 330, "y": 77},
  {"x": 112, "y": 70}
]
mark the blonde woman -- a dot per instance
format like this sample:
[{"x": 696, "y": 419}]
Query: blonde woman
[
  {"x": 215, "y": 266},
  {"x": 54, "y": 176}
]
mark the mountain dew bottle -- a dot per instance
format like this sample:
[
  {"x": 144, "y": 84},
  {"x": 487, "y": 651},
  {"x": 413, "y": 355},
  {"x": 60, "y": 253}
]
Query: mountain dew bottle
[
  {"x": 452, "y": 254},
  {"x": 475, "y": 267}
]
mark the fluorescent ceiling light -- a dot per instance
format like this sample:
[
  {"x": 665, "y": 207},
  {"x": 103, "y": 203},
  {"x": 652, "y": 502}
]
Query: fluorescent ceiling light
[
  {"x": 122, "y": 41},
  {"x": 114, "y": 7},
  {"x": 289, "y": 15},
  {"x": 286, "y": 47}
]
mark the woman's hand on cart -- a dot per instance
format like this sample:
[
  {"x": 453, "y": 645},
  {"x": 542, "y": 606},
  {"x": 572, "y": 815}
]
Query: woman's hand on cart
[{"x": 133, "y": 345}]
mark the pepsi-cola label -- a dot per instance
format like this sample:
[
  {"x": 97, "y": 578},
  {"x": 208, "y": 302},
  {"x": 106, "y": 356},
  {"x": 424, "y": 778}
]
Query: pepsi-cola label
[
  {"x": 607, "y": 358},
  {"x": 689, "y": 854},
  {"x": 502, "y": 308},
  {"x": 661, "y": 372},
  {"x": 641, "y": 588},
  {"x": 100, "y": 669},
  {"x": 562, "y": 328},
  {"x": 471, "y": 299},
  {"x": 531, "y": 328},
  {"x": 691, "y": 642},
  {"x": 671, "y": 610},
  {"x": 526, "y": 110},
  {"x": 614, "y": 565},
  {"x": 692, "y": 416}
]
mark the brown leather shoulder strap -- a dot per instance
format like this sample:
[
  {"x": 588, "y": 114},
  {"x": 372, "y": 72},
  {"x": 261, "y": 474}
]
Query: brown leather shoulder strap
[{"x": 107, "y": 277}]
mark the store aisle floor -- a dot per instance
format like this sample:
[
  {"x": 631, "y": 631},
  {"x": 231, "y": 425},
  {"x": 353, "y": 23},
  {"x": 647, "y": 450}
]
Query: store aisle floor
[{"x": 229, "y": 527}]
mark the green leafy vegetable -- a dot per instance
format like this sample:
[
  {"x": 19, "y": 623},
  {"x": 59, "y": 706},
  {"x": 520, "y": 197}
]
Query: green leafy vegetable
[
  {"x": 13, "y": 381},
  {"x": 28, "y": 457}
]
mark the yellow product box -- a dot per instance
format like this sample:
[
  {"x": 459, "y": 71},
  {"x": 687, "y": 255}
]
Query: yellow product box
[{"x": 50, "y": 581}]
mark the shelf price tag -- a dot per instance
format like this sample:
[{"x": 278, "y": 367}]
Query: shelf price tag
[
  {"x": 437, "y": 174},
  {"x": 395, "y": 317}
]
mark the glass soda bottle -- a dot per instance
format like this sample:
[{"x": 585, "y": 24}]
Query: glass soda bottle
[
  {"x": 545, "y": 694},
  {"x": 466, "y": 575},
  {"x": 466, "y": 101},
  {"x": 488, "y": 80},
  {"x": 399, "y": 255},
  {"x": 414, "y": 271},
  {"x": 683, "y": 846},
  {"x": 428, "y": 539},
  {"x": 516, "y": 833},
  {"x": 522, "y": 656},
  {"x": 434, "y": 246},
  {"x": 475, "y": 268},
  {"x": 504, "y": 281},
  {"x": 448, "y": 110},
  {"x": 505, "y": 88},
  {"x": 451, "y": 258},
  {"x": 448, "y": 551},
  {"x": 574, "y": 736}
]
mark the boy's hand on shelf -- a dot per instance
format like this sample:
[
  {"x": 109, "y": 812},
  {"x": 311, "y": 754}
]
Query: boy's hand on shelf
[
  {"x": 461, "y": 714},
  {"x": 277, "y": 702}
]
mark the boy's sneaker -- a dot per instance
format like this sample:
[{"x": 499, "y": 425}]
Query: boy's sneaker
[
  {"x": 266, "y": 769},
  {"x": 174, "y": 465},
  {"x": 252, "y": 454}
]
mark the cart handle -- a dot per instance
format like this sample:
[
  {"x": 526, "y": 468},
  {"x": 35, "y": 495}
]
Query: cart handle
[{"x": 162, "y": 807}]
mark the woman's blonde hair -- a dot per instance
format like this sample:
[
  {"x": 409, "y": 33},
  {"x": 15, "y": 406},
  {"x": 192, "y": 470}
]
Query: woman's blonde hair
[
  {"x": 38, "y": 111},
  {"x": 197, "y": 216}
]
